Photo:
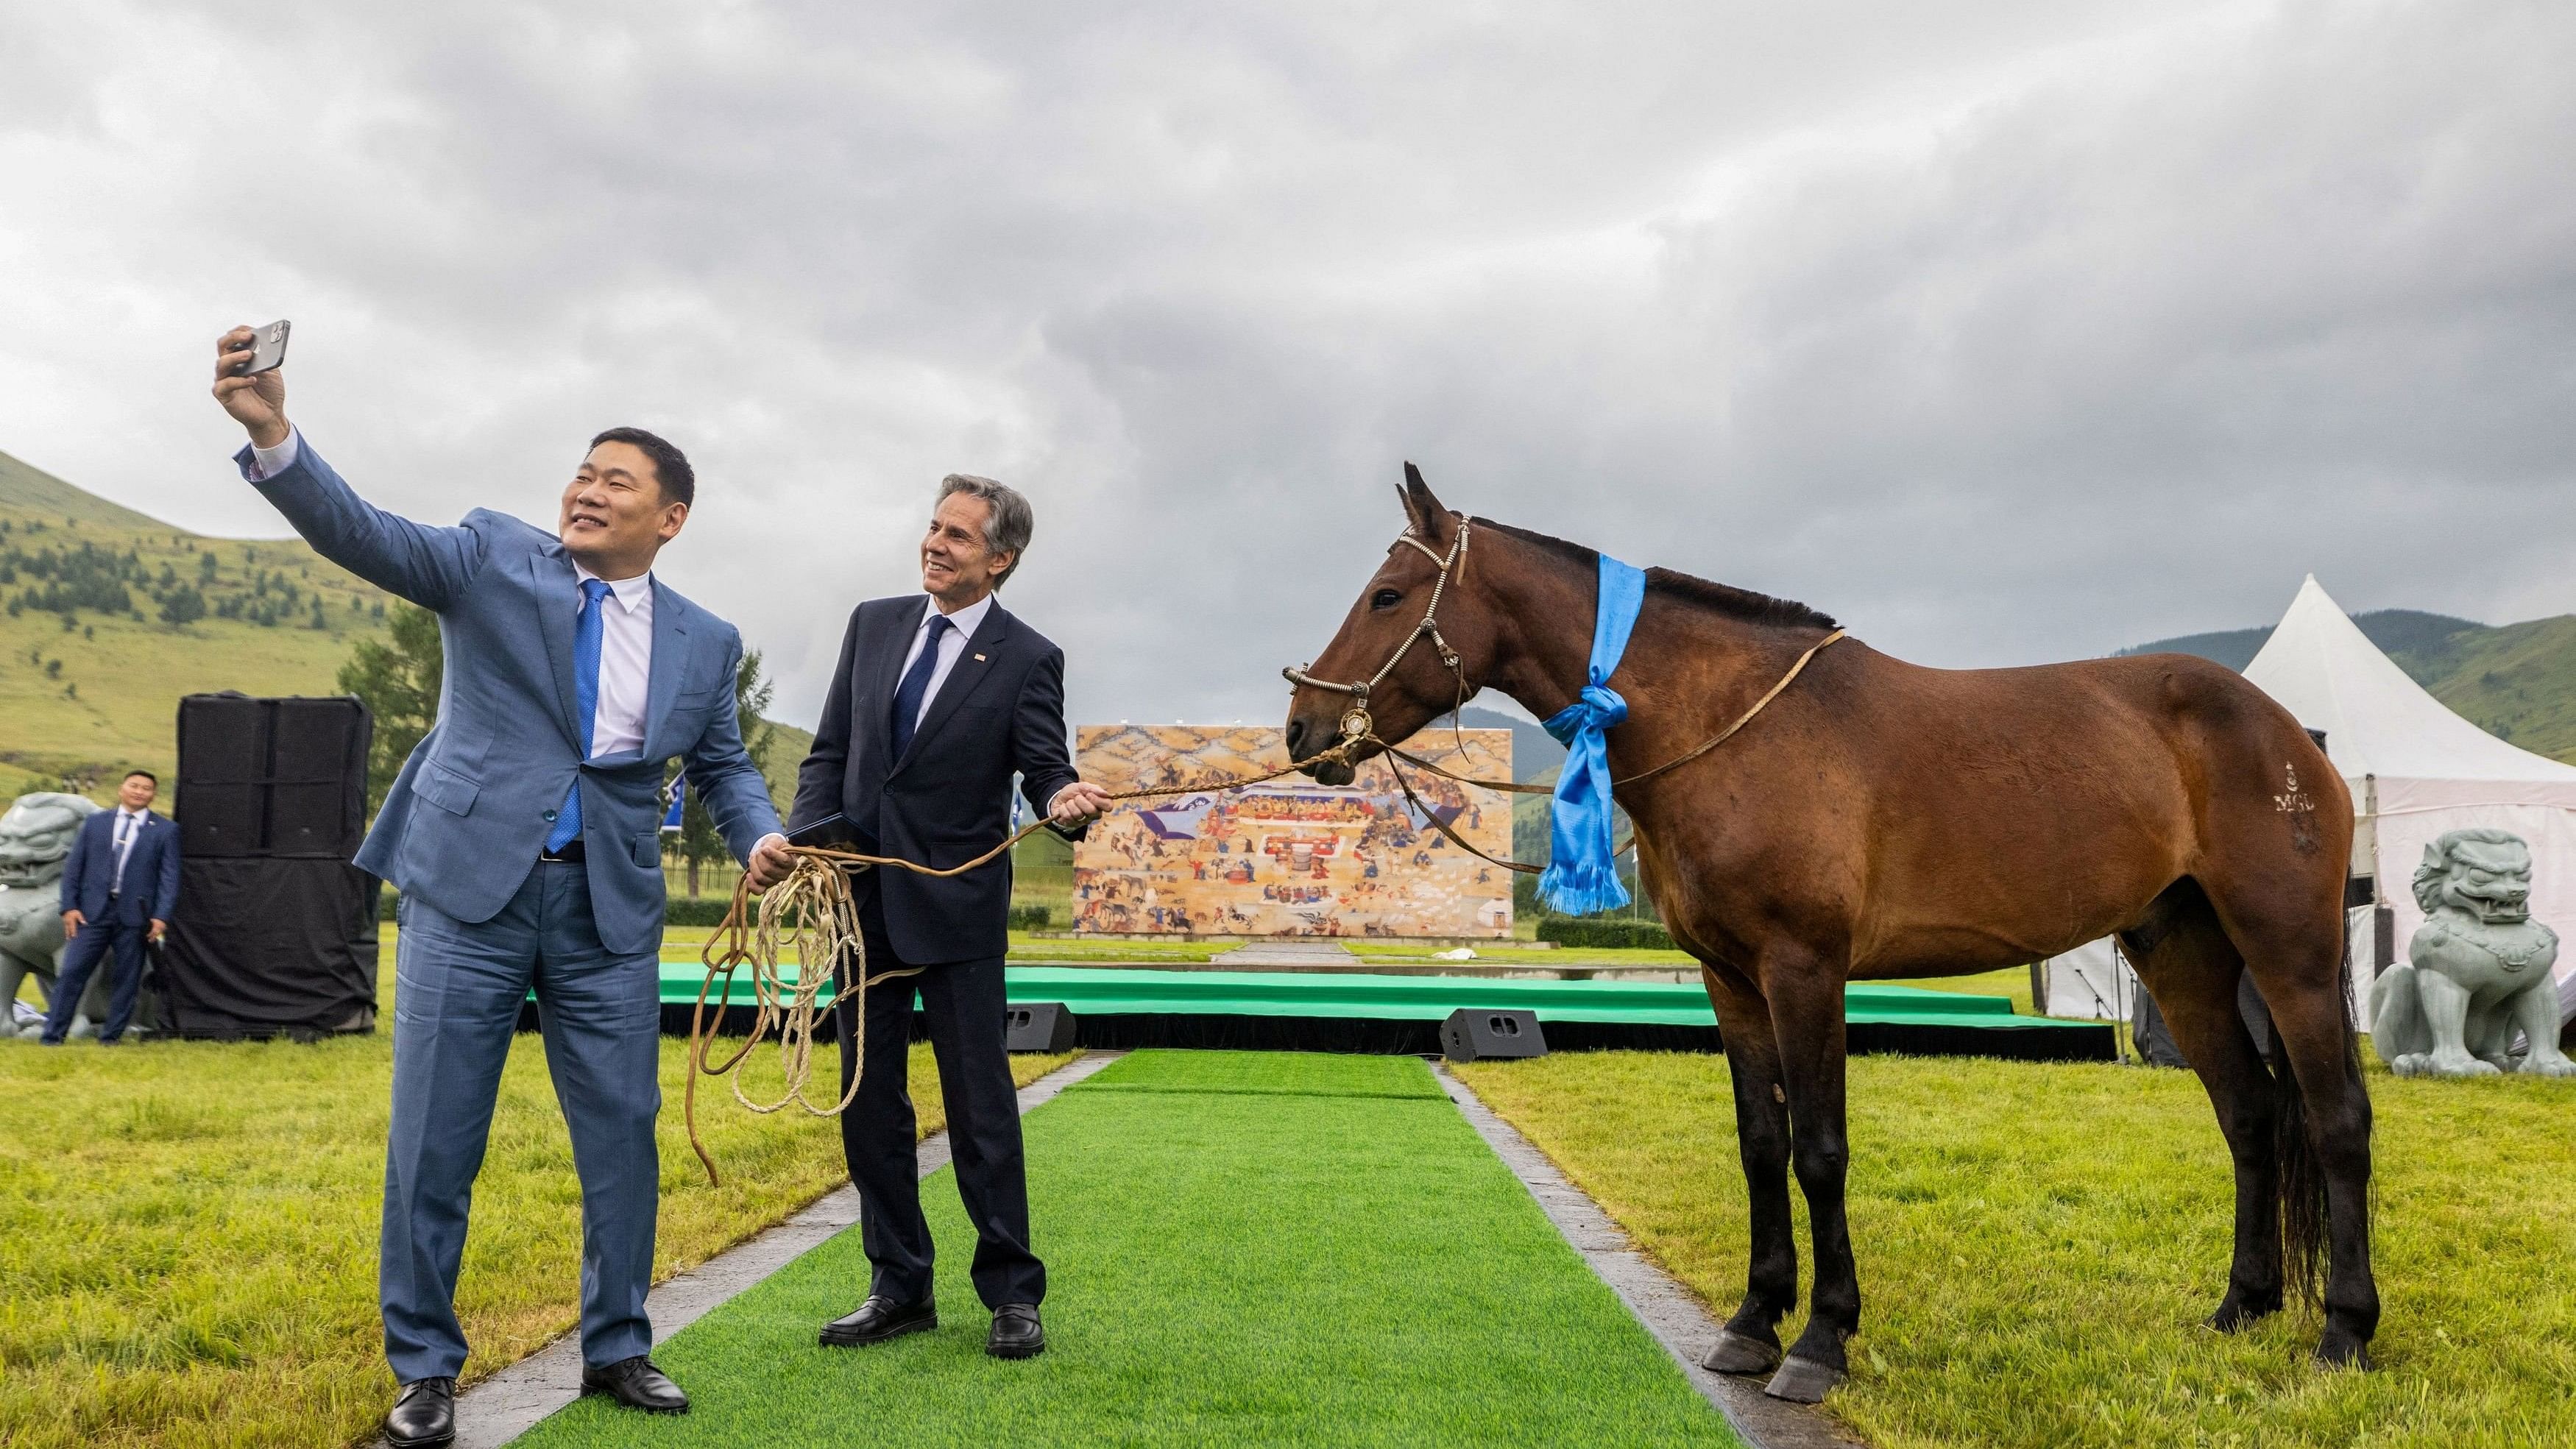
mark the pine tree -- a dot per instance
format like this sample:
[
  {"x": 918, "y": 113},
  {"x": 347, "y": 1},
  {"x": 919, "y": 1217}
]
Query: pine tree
[
  {"x": 398, "y": 681},
  {"x": 700, "y": 842}
]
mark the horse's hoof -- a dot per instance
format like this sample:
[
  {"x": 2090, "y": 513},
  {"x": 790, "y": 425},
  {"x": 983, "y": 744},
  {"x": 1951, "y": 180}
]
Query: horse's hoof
[
  {"x": 2342, "y": 1350},
  {"x": 1802, "y": 1381},
  {"x": 1737, "y": 1354},
  {"x": 2235, "y": 1317}
]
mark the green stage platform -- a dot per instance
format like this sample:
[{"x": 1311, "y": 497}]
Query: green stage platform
[{"x": 1287, "y": 1010}]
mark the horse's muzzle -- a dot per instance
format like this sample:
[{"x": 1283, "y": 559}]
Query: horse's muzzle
[{"x": 1306, "y": 739}]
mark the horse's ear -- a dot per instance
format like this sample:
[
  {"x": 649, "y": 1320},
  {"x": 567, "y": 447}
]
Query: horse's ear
[{"x": 1423, "y": 514}]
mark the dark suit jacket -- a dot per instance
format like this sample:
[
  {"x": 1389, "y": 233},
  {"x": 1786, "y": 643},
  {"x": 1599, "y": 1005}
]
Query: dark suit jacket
[
  {"x": 151, "y": 888},
  {"x": 948, "y": 799}
]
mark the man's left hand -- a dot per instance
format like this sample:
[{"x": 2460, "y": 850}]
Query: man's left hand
[
  {"x": 1079, "y": 803},
  {"x": 159, "y": 928},
  {"x": 770, "y": 863}
]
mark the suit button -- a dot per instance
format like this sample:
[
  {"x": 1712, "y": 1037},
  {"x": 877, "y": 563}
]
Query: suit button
[{"x": 550, "y": 815}]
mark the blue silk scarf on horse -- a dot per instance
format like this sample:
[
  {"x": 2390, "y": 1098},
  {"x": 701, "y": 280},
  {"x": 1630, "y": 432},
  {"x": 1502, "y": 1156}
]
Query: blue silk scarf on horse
[{"x": 1582, "y": 876}]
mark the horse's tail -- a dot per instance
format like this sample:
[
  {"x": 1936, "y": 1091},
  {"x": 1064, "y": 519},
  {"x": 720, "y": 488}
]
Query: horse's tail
[{"x": 2301, "y": 1179}]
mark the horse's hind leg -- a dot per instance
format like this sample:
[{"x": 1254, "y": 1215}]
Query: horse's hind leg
[
  {"x": 1751, "y": 1342},
  {"x": 1807, "y": 1024},
  {"x": 2191, "y": 968},
  {"x": 2294, "y": 949}
]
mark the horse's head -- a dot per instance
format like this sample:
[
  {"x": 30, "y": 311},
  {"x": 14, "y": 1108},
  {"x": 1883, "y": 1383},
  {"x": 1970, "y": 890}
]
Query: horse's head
[{"x": 1400, "y": 657}]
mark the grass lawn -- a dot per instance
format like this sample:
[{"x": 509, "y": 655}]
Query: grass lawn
[
  {"x": 188, "y": 1230},
  {"x": 1242, "y": 1248},
  {"x": 2038, "y": 1244}
]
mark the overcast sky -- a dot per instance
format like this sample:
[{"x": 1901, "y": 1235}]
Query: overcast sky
[{"x": 2005, "y": 332}]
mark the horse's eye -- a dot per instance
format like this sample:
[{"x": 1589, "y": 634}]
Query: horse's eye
[{"x": 1385, "y": 599}]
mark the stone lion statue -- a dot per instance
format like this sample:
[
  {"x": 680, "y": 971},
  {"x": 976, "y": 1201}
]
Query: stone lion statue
[
  {"x": 2477, "y": 971},
  {"x": 35, "y": 835}
]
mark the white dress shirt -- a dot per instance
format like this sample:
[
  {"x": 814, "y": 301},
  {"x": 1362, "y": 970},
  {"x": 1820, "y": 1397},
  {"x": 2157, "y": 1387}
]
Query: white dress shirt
[
  {"x": 952, "y": 645},
  {"x": 121, "y": 838},
  {"x": 625, "y": 662}
]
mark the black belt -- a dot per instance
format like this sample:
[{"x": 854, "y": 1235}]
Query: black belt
[{"x": 571, "y": 852}]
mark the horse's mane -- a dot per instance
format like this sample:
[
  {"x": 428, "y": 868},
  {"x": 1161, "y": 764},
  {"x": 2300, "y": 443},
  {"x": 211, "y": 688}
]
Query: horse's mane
[{"x": 1725, "y": 599}]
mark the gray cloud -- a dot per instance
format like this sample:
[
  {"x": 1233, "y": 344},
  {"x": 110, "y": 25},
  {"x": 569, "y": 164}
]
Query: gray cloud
[{"x": 2006, "y": 333}]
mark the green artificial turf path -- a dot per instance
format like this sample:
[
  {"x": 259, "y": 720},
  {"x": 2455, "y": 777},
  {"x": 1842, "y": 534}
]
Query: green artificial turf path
[{"x": 1242, "y": 1248}]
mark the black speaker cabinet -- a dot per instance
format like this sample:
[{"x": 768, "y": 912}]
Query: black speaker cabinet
[
  {"x": 276, "y": 931},
  {"x": 1472, "y": 1035},
  {"x": 1037, "y": 1026},
  {"x": 277, "y": 779}
]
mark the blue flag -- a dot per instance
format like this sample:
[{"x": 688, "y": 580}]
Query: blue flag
[{"x": 1582, "y": 876}]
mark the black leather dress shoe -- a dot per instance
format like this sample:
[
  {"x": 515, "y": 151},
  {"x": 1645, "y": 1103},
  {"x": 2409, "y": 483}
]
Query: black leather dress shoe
[
  {"x": 879, "y": 1319},
  {"x": 635, "y": 1383},
  {"x": 424, "y": 1415},
  {"x": 1016, "y": 1333}
]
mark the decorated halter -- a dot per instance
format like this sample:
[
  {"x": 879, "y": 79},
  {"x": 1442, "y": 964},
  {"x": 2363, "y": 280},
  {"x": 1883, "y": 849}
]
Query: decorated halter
[{"x": 1356, "y": 721}]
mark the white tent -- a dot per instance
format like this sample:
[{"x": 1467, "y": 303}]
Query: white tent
[{"x": 2415, "y": 769}]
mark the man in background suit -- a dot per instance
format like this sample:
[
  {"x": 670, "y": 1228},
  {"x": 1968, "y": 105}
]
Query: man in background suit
[
  {"x": 120, "y": 886},
  {"x": 524, "y": 833},
  {"x": 937, "y": 701}
]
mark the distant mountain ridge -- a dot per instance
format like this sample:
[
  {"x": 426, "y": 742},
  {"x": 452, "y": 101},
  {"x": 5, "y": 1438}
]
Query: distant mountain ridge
[{"x": 2515, "y": 681}]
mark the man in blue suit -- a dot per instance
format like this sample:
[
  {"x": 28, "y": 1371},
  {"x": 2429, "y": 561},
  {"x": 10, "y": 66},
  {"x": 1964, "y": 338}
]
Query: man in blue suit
[
  {"x": 120, "y": 887},
  {"x": 524, "y": 834}
]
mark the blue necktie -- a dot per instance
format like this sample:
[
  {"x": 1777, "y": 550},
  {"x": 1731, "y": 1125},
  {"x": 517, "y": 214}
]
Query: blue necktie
[
  {"x": 585, "y": 698},
  {"x": 916, "y": 683}
]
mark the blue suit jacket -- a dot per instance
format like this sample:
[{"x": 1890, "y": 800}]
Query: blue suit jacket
[
  {"x": 151, "y": 887},
  {"x": 463, "y": 824}
]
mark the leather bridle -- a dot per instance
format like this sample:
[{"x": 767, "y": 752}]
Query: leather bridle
[{"x": 1356, "y": 722}]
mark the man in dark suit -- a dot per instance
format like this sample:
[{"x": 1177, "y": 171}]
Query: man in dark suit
[
  {"x": 119, "y": 888},
  {"x": 937, "y": 701}
]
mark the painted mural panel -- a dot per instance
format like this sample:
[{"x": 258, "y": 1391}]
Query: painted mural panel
[{"x": 1292, "y": 857}]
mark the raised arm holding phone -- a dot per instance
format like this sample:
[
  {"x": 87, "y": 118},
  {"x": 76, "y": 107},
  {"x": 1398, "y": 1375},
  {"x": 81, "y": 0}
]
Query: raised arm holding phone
[{"x": 524, "y": 835}]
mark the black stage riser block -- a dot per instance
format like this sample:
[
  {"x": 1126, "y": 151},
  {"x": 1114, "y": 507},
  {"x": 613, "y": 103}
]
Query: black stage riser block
[
  {"x": 269, "y": 947},
  {"x": 1477, "y": 1035},
  {"x": 1037, "y": 1026},
  {"x": 1356, "y": 1036}
]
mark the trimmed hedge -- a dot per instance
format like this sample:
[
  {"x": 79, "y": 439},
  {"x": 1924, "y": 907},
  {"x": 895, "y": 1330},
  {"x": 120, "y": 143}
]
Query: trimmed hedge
[
  {"x": 696, "y": 910},
  {"x": 1606, "y": 935},
  {"x": 1032, "y": 918}
]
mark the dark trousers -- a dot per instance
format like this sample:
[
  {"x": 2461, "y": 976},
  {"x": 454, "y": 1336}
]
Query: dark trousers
[
  {"x": 456, "y": 1005},
  {"x": 121, "y": 944},
  {"x": 965, "y": 1003}
]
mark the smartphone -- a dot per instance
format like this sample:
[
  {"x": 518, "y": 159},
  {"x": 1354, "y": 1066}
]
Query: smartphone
[{"x": 267, "y": 349}]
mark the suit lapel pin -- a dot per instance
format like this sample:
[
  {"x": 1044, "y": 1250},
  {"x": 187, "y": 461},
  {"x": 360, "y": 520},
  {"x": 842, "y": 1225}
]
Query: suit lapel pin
[{"x": 979, "y": 658}]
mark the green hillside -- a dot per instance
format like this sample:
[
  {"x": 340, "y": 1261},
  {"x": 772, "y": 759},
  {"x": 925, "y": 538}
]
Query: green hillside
[
  {"x": 2516, "y": 681},
  {"x": 93, "y": 660}
]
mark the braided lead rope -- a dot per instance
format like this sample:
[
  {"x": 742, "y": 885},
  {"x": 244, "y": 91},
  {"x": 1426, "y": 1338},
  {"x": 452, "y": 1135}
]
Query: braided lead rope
[{"x": 813, "y": 915}]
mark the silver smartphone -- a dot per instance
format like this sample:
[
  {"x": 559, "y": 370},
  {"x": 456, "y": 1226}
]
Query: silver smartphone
[{"x": 267, "y": 348}]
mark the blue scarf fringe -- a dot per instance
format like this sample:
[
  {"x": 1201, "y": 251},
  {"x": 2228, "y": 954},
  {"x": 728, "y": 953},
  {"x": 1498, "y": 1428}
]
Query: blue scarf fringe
[{"x": 1582, "y": 876}]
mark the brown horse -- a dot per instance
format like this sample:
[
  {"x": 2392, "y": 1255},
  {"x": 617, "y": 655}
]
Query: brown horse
[{"x": 1882, "y": 820}]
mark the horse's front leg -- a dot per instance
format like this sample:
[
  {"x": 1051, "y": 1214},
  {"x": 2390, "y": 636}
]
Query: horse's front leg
[
  {"x": 1806, "y": 997},
  {"x": 1751, "y": 1342}
]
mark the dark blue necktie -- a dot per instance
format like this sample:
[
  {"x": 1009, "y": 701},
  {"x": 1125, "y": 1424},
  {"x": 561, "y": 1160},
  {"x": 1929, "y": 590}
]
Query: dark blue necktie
[
  {"x": 585, "y": 699},
  {"x": 916, "y": 683}
]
